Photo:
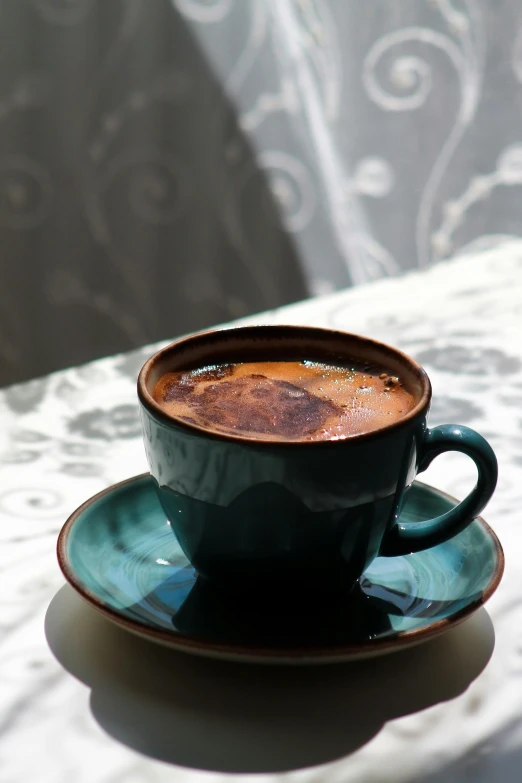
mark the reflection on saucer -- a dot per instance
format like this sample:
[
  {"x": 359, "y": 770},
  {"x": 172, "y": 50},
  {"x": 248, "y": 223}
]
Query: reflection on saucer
[{"x": 211, "y": 615}]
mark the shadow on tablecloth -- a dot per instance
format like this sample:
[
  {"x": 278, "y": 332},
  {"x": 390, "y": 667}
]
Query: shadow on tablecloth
[{"x": 230, "y": 717}]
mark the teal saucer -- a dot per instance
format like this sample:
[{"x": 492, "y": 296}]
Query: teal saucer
[{"x": 118, "y": 551}]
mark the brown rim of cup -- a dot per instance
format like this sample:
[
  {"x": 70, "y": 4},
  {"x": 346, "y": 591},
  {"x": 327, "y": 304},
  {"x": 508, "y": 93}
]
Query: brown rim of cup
[{"x": 270, "y": 331}]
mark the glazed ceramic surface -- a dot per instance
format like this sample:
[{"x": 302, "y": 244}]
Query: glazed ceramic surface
[
  {"x": 118, "y": 551},
  {"x": 250, "y": 512}
]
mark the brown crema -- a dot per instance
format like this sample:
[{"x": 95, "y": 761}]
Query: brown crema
[{"x": 285, "y": 400}]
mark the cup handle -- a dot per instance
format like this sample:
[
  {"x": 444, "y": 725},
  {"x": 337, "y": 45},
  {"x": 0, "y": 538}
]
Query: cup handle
[{"x": 411, "y": 537}]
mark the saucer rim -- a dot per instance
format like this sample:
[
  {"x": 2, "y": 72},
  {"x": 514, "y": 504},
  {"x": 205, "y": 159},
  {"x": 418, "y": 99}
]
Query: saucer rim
[{"x": 308, "y": 654}]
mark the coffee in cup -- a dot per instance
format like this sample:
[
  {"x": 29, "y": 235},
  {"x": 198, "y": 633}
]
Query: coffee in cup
[{"x": 285, "y": 400}]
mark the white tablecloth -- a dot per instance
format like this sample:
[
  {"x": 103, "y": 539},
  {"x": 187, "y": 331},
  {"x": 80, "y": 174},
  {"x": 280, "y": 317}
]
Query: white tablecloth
[{"x": 84, "y": 701}]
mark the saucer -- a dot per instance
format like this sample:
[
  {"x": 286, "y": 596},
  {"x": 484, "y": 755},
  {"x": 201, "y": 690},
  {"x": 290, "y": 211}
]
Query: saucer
[{"x": 118, "y": 551}]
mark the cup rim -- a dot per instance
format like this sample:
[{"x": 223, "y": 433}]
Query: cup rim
[{"x": 149, "y": 403}]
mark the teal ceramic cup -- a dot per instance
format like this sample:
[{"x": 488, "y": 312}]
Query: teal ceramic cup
[{"x": 258, "y": 515}]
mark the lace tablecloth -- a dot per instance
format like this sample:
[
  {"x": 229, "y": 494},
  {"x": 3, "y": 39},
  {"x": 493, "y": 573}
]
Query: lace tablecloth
[{"x": 84, "y": 701}]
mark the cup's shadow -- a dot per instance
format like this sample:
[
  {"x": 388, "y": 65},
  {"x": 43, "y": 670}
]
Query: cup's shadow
[{"x": 228, "y": 717}]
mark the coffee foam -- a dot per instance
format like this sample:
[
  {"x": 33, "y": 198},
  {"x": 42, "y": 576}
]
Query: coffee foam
[{"x": 285, "y": 400}]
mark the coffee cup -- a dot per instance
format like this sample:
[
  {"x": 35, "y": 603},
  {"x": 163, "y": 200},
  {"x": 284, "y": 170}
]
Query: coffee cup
[{"x": 282, "y": 510}]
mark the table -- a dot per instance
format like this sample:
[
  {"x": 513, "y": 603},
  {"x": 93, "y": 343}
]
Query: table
[{"x": 84, "y": 701}]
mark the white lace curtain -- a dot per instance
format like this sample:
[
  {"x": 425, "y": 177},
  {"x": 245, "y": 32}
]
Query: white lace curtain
[
  {"x": 389, "y": 128},
  {"x": 170, "y": 164}
]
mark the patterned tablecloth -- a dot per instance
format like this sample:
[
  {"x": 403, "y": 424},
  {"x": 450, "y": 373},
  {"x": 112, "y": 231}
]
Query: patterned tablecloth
[{"x": 84, "y": 701}]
